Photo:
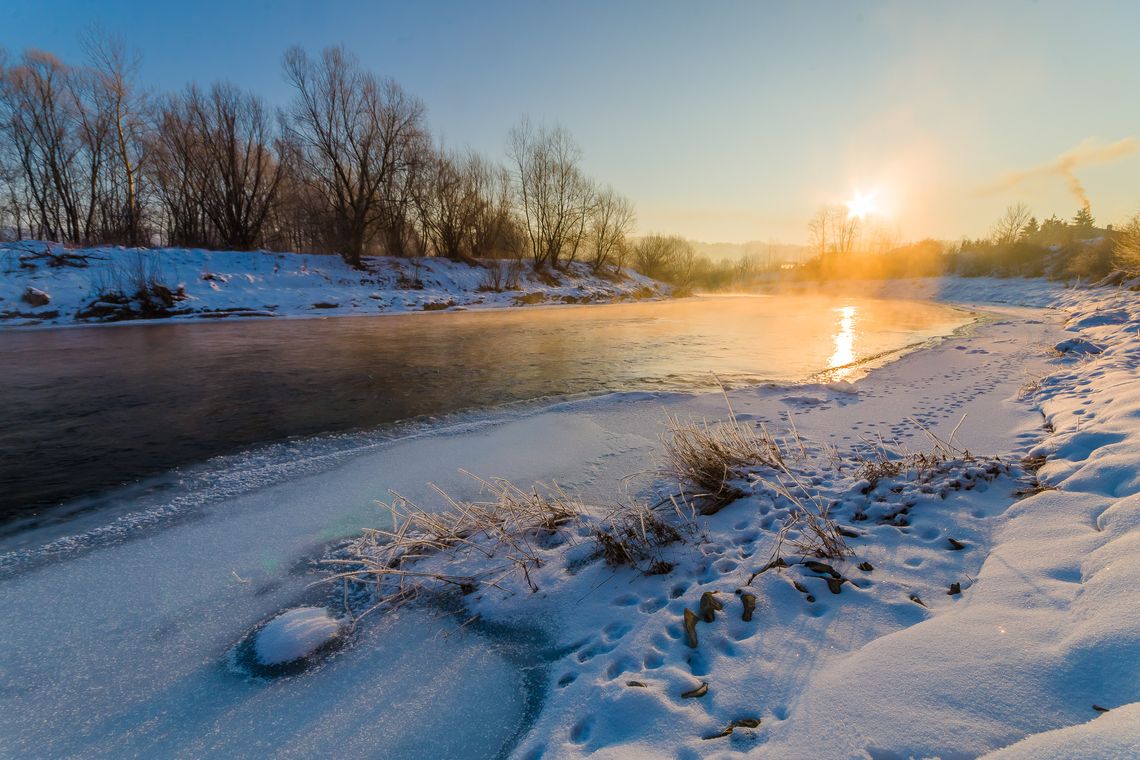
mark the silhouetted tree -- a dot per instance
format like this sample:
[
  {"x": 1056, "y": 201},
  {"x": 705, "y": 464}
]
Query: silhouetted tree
[
  {"x": 611, "y": 220},
  {"x": 1008, "y": 227},
  {"x": 358, "y": 141},
  {"x": 554, "y": 196},
  {"x": 1083, "y": 222}
]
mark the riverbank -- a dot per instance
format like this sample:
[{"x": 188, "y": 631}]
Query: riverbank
[
  {"x": 1039, "y": 632},
  {"x": 46, "y": 284}
]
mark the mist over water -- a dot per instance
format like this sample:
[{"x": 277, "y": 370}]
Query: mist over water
[{"x": 84, "y": 410}]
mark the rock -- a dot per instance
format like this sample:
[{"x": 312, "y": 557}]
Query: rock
[
  {"x": 821, "y": 567},
  {"x": 738, "y": 723},
  {"x": 635, "y": 684},
  {"x": 1077, "y": 346},
  {"x": 709, "y": 606},
  {"x": 955, "y": 589},
  {"x": 866, "y": 567},
  {"x": 749, "y": 602},
  {"x": 35, "y": 297},
  {"x": 700, "y": 691},
  {"x": 955, "y": 544},
  {"x": 690, "y": 628},
  {"x": 296, "y": 634}
]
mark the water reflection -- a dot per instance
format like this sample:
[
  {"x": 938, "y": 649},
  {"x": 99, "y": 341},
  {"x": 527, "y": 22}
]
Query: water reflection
[
  {"x": 83, "y": 410},
  {"x": 844, "y": 353}
]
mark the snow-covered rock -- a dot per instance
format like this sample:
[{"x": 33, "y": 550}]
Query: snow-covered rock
[
  {"x": 1077, "y": 346},
  {"x": 35, "y": 297},
  {"x": 295, "y": 634}
]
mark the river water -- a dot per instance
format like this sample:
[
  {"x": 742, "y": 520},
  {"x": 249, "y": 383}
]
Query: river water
[{"x": 86, "y": 409}]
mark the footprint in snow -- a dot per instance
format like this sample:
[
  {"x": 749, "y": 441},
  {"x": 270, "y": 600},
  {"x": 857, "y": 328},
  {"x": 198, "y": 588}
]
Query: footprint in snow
[{"x": 580, "y": 733}]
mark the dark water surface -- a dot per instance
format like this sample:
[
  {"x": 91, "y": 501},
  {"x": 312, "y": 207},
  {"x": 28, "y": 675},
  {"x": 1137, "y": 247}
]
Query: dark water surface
[{"x": 86, "y": 409}]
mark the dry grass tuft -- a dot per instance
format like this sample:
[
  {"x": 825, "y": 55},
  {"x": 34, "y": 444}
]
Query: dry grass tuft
[
  {"x": 507, "y": 533},
  {"x": 634, "y": 535},
  {"x": 809, "y": 527},
  {"x": 708, "y": 456},
  {"x": 892, "y": 461}
]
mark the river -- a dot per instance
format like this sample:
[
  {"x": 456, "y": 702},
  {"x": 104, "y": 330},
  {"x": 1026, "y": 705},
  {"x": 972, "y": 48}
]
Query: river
[{"x": 83, "y": 410}]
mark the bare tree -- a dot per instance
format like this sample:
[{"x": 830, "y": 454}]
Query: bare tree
[
  {"x": 175, "y": 151},
  {"x": 493, "y": 230},
  {"x": 114, "y": 70},
  {"x": 237, "y": 171},
  {"x": 833, "y": 230},
  {"x": 447, "y": 207},
  {"x": 358, "y": 141},
  {"x": 670, "y": 258},
  {"x": 611, "y": 221},
  {"x": 553, "y": 195},
  {"x": 39, "y": 122},
  {"x": 12, "y": 197},
  {"x": 1009, "y": 226}
]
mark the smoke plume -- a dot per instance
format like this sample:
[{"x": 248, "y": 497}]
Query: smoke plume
[{"x": 1087, "y": 153}]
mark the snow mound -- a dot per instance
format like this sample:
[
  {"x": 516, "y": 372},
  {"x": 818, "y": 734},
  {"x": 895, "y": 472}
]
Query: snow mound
[
  {"x": 1115, "y": 734},
  {"x": 295, "y": 634},
  {"x": 1099, "y": 319}
]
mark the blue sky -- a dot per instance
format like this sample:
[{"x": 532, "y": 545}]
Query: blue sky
[{"x": 723, "y": 120}]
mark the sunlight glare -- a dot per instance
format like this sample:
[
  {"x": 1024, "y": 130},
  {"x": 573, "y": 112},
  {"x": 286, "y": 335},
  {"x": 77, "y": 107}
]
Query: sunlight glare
[
  {"x": 844, "y": 353},
  {"x": 861, "y": 205}
]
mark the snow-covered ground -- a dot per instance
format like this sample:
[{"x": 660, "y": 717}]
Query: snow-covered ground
[
  {"x": 125, "y": 645},
  {"x": 47, "y": 284}
]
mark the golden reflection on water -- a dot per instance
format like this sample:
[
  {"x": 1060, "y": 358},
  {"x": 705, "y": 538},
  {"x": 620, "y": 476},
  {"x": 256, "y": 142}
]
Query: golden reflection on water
[{"x": 844, "y": 352}]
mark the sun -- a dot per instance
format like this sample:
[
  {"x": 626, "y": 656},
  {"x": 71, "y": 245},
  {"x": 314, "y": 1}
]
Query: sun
[{"x": 861, "y": 205}]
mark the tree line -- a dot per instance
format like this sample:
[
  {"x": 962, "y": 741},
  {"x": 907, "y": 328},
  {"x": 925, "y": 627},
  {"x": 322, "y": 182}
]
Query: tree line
[
  {"x": 1019, "y": 245},
  {"x": 89, "y": 156}
]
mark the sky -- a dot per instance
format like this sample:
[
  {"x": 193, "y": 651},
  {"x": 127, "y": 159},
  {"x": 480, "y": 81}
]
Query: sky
[{"x": 722, "y": 121}]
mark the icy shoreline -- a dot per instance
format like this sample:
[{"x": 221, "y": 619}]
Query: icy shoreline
[{"x": 45, "y": 284}]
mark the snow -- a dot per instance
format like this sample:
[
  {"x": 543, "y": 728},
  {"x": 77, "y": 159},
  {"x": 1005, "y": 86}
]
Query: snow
[
  {"x": 102, "y": 284},
  {"x": 113, "y": 642},
  {"x": 295, "y": 634}
]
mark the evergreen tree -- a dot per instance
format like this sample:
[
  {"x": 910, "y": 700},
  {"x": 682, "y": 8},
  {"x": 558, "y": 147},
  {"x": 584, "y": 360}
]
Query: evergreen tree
[
  {"x": 1054, "y": 231},
  {"x": 1031, "y": 230},
  {"x": 1083, "y": 220}
]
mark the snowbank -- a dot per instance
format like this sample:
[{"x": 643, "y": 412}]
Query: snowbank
[{"x": 115, "y": 284}]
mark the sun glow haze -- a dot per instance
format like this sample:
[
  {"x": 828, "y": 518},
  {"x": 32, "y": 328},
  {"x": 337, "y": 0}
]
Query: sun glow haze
[{"x": 862, "y": 204}]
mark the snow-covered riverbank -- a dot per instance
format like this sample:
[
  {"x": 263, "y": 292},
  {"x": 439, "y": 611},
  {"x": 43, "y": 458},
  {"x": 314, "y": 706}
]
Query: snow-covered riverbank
[
  {"x": 1021, "y": 632},
  {"x": 48, "y": 284},
  {"x": 120, "y": 642}
]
